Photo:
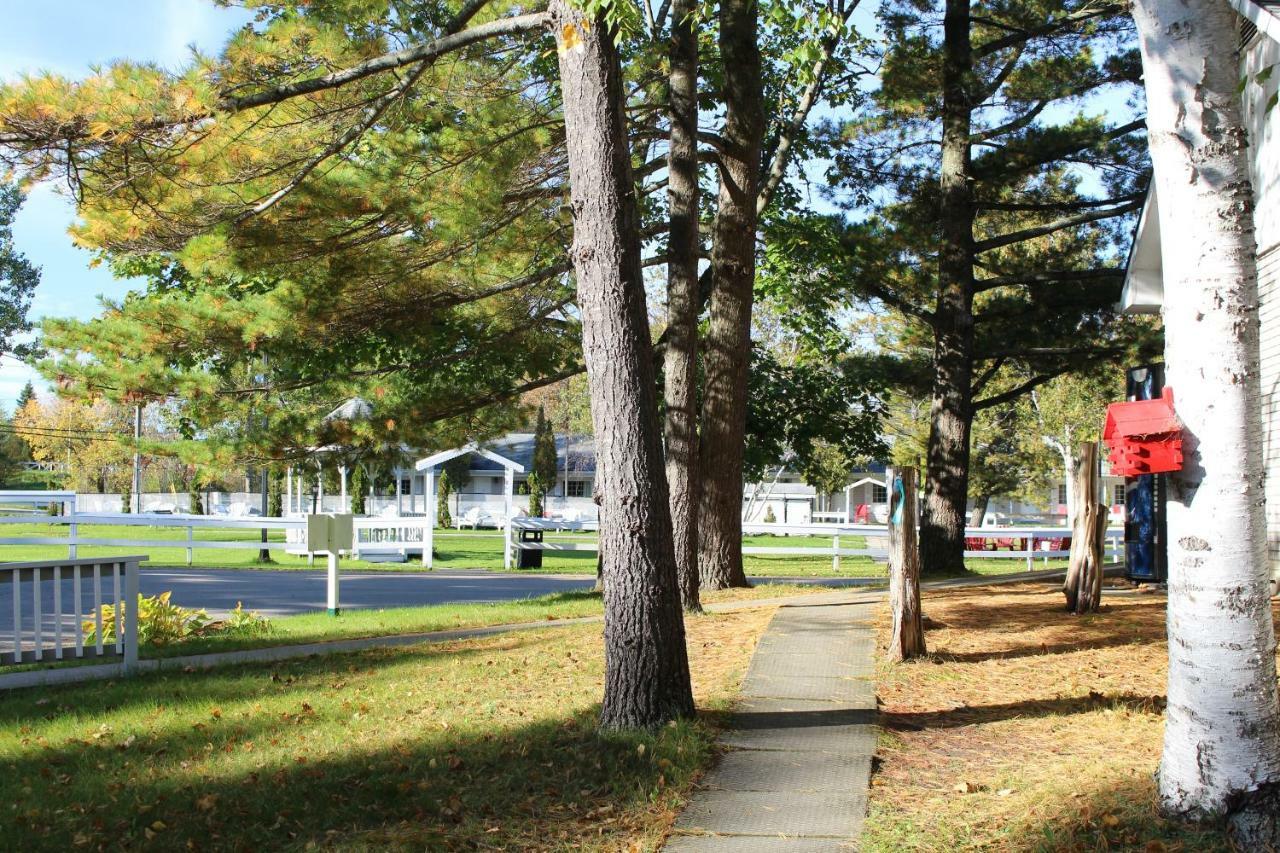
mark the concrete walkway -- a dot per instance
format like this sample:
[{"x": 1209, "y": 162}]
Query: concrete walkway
[{"x": 801, "y": 741}]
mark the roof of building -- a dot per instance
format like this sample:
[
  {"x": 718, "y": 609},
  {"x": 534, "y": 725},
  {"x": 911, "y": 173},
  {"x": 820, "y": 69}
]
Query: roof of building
[
  {"x": 518, "y": 446},
  {"x": 1263, "y": 14}
]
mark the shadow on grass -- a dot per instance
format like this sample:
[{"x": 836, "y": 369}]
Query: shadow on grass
[
  {"x": 979, "y": 714},
  {"x": 544, "y": 782},
  {"x": 1117, "y": 818},
  {"x": 226, "y": 684}
]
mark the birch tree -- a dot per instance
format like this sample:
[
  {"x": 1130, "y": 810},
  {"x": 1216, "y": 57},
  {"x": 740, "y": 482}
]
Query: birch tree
[{"x": 1222, "y": 731}]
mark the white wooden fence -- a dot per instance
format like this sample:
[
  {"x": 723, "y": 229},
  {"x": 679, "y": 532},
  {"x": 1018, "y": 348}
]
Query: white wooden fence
[
  {"x": 1018, "y": 543},
  {"x": 52, "y": 599}
]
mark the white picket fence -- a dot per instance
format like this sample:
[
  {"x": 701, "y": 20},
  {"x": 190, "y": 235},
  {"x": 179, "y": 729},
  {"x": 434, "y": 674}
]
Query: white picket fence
[{"x": 51, "y": 600}]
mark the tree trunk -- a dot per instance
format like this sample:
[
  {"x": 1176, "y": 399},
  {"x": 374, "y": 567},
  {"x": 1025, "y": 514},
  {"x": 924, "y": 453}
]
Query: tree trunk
[
  {"x": 951, "y": 414},
  {"x": 681, "y": 355},
  {"x": 1083, "y": 584},
  {"x": 646, "y": 663},
  {"x": 1222, "y": 728},
  {"x": 907, "y": 640},
  {"x": 980, "y": 505},
  {"x": 728, "y": 346}
]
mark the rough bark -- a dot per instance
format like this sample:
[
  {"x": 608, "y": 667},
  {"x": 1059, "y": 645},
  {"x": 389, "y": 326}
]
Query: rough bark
[
  {"x": 728, "y": 342},
  {"x": 1222, "y": 729},
  {"x": 907, "y": 639},
  {"x": 646, "y": 663},
  {"x": 1083, "y": 584},
  {"x": 951, "y": 413},
  {"x": 681, "y": 353}
]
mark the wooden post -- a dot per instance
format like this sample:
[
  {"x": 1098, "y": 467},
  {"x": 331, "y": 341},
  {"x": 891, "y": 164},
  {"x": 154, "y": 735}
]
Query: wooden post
[
  {"x": 1083, "y": 586},
  {"x": 904, "y": 567}
]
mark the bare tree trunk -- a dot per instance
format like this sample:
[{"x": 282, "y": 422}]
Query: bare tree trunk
[
  {"x": 681, "y": 355},
  {"x": 907, "y": 640},
  {"x": 951, "y": 414},
  {"x": 728, "y": 346},
  {"x": 646, "y": 663},
  {"x": 981, "y": 504},
  {"x": 1222, "y": 727},
  {"x": 1083, "y": 584}
]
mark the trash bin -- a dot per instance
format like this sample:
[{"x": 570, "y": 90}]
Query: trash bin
[{"x": 530, "y": 558}]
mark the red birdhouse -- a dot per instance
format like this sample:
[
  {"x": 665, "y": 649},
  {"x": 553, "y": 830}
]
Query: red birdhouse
[{"x": 1145, "y": 437}]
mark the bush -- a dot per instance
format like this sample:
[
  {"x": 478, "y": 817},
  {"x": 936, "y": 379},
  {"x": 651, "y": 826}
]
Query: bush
[
  {"x": 161, "y": 622},
  {"x": 769, "y": 517}
]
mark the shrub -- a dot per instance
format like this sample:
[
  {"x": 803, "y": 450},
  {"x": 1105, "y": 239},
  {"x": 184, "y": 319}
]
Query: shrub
[
  {"x": 161, "y": 622},
  {"x": 769, "y": 517}
]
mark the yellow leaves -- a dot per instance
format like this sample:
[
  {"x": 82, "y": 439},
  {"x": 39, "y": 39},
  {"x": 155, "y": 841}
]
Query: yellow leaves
[
  {"x": 99, "y": 129},
  {"x": 206, "y": 803},
  {"x": 570, "y": 38}
]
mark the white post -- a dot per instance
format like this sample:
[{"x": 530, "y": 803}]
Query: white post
[
  {"x": 509, "y": 481},
  {"x": 399, "y": 504},
  {"x": 343, "y": 506},
  {"x": 130, "y": 616},
  {"x": 428, "y": 528},
  {"x": 191, "y": 536},
  {"x": 74, "y": 531},
  {"x": 135, "y": 500},
  {"x": 332, "y": 600},
  {"x": 288, "y": 491},
  {"x": 835, "y": 553},
  {"x": 319, "y": 487},
  {"x": 848, "y": 504}
]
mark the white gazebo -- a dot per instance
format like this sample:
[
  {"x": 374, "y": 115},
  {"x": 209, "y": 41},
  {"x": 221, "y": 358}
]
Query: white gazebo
[{"x": 429, "y": 465}]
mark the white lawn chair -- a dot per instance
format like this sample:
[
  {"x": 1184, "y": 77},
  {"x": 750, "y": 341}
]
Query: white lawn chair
[{"x": 471, "y": 518}]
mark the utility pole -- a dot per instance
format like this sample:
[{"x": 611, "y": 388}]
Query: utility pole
[{"x": 135, "y": 500}]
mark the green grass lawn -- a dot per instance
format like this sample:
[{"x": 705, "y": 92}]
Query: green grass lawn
[
  {"x": 487, "y": 744},
  {"x": 454, "y": 550}
]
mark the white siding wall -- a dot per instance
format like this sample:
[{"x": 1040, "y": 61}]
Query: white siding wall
[{"x": 1264, "y": 138}]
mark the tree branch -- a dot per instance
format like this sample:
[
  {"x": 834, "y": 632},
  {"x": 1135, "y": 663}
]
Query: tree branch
[
  {"x": 1056, "y": 225},
  {"x": 1045, "y": 277},
  {"x": 1017, "y": 391},
  {"x": 1018, "y": 37},
  {"x": 429, "y": 52}
]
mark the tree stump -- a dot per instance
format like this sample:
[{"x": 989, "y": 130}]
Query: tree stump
[
  {"x": 1083, "y": 586},
  {"x": 904, "y": 567}
]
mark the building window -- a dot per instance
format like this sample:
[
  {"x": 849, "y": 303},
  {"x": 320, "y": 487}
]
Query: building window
[
  {"x": 1062, "y": 493},
  {"x": 879, "y": 494},
  {"x": 406, "y": 487},
  {"x": 1119, "y": 494},
  {"x": 576, "y": 488}
]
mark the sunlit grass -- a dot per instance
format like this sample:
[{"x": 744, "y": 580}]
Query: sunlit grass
[{"x": 484, "y": 744}]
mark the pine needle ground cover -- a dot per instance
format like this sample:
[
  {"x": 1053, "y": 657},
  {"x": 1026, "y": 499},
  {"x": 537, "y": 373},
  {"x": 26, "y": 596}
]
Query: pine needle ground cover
[
  {"x": 480, "y": 745},
  {"x": 1026, "y": 729}
]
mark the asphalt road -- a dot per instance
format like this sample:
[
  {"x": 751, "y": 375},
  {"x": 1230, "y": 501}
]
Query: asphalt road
[{"x": 276, "y": 593}]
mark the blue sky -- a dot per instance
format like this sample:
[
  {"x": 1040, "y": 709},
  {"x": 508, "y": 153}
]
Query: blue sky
[{"x": 68, "y": 37}]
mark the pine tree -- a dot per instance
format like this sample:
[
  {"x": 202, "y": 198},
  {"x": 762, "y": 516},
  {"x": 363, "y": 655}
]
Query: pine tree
[
  {"x": 984, "y": 238},
  {"x": 18, "y": 279}
]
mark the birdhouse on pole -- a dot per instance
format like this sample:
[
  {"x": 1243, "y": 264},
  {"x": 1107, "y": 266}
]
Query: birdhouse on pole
[{"x": 1144, "y": 436}]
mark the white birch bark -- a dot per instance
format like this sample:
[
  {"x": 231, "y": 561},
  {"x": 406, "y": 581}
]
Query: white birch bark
[{"x": 1222, "y": 742}]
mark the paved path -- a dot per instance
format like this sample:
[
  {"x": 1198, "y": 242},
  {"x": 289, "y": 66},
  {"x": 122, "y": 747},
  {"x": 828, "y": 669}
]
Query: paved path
[{"x": 799, "y": 766}]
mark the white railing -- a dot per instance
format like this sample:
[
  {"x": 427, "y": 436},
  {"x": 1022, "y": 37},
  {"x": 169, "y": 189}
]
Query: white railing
[
  {"x": 1020, "y": 543},
  {"x": 44, "y": 595},
  {"x": 373, "y": 535}
]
